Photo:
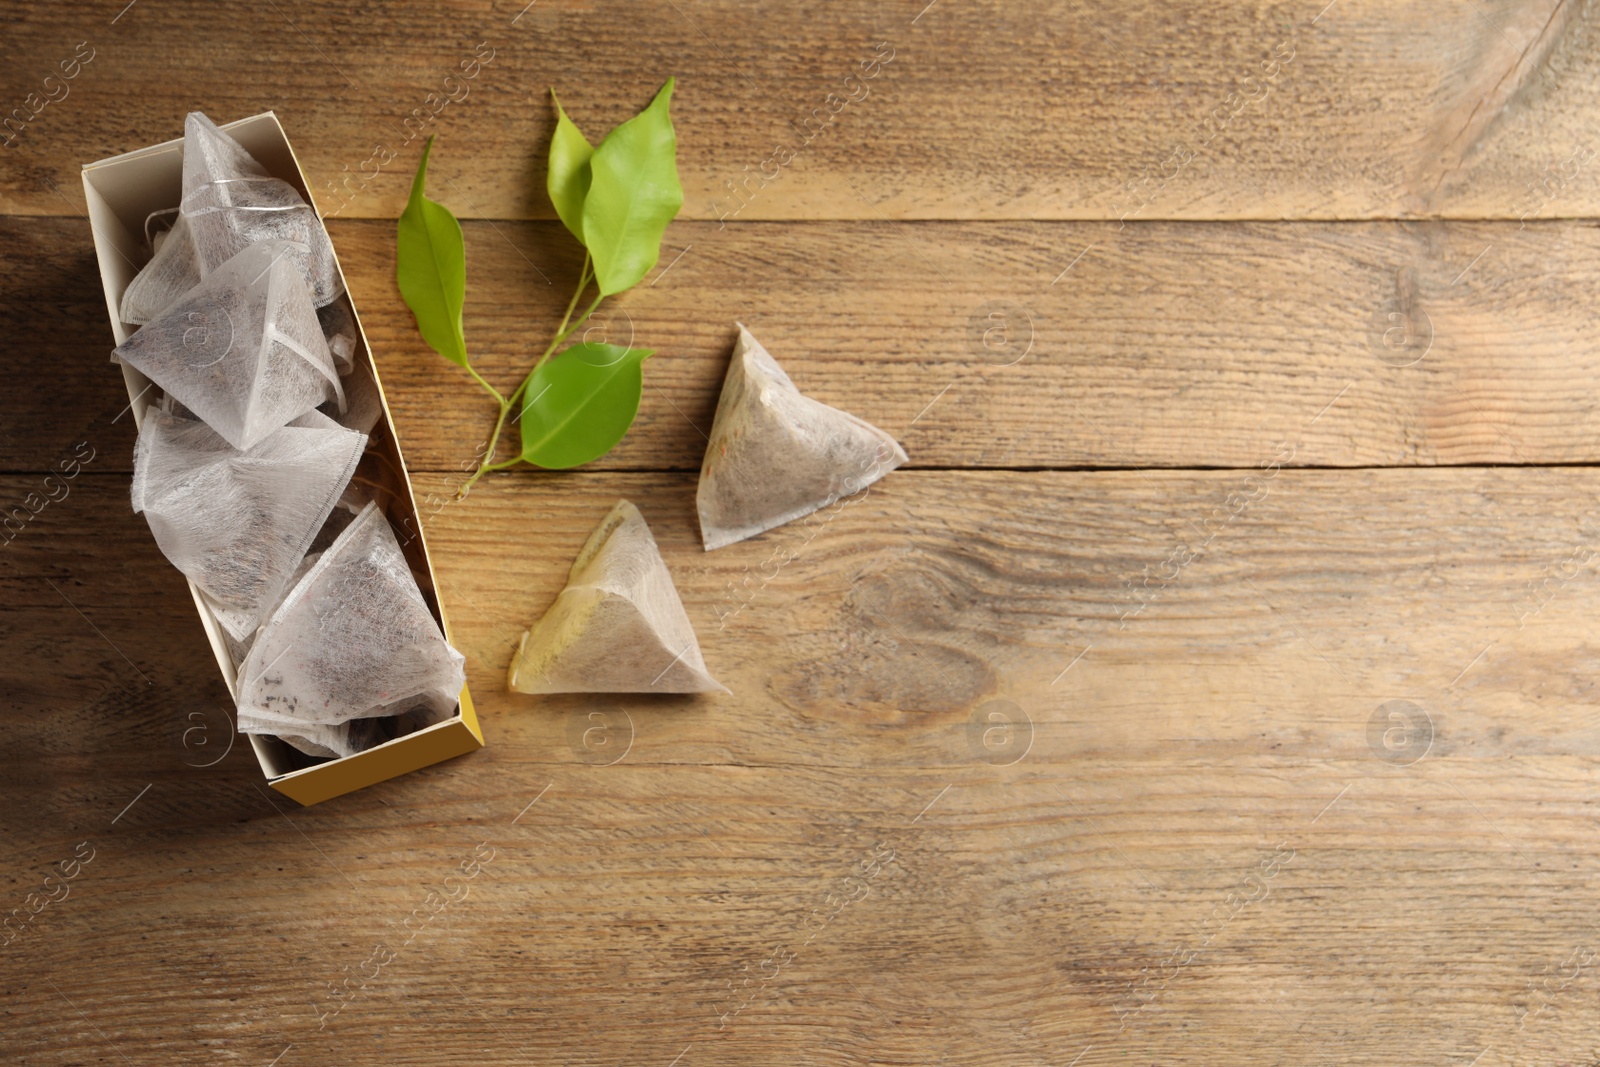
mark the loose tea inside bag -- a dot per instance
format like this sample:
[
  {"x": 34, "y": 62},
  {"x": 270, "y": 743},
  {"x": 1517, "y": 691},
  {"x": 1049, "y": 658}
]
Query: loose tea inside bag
[
  {"x": 242, "y": 350},
  {"x": 240, "y": 626},
  {"x": 618, "y": 626},
  {"x": 239, "y": 522},
  {"x": 775, "y": 454},
  {"x": 353, "y": 639}
]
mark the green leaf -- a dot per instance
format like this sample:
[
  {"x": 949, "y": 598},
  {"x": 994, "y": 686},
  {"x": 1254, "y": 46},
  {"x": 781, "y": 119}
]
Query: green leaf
[
  {"x": 633, "y": 194},
  {"x": 431, "y": 267},
  {"x": 580, "y": 403},
  {"x": 568, "y": 181}
]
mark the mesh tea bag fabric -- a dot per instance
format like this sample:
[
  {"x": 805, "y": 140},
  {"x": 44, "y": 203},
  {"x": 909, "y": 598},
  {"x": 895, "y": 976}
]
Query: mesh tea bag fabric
[
  {"x": 238, "y": 522},
  {"x": 775, "y": 454},
  {"x": 352, "y": 639},
  {"x": 171, "y": 272},
  {"x": 618, "y": 626},
  {"x": 230, "y": 202},
  {"x": 239, "y": 625},
  {"x": 242, "y": 350}
]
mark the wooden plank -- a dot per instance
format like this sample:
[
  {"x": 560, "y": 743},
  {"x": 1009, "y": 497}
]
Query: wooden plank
[
  {"x": 1187, "y": 110},
  {"x": 977, "y": 344},
  {"x": 1168, "y": 344},
  {"x": 1205, "y": 781}
]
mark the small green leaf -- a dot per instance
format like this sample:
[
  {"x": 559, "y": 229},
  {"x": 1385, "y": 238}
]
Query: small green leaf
[
  {"x": 633, "y": 194},
  {"x": 431, "y": 267},
  {"x": 580, "y": 403},
  {"x": 568, "y": 181}
]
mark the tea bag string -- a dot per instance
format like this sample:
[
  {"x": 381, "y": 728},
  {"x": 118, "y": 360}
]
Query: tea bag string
[
  {"x": 229, "y": 206},
  {"x": 147, "y": 219}
]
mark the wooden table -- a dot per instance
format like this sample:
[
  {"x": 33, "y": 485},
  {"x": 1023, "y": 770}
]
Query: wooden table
[{"x": 1217, "y": 685}]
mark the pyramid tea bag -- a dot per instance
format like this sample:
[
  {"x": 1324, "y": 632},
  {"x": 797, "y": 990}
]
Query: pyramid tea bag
[
  {"x": 353, "y": 639},
  {"x": 235, "y": 522},
  {"x": 173, "y": 271},
  {"x": 775, "y": 454},
  {"x": 618, "y": 626},
  {"x": 231, "y": 201},
  {"x": 242, "y": 350}
]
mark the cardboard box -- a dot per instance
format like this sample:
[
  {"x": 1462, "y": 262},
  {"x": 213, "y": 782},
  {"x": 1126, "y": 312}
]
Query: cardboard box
[{"x": 123, "y": 191}]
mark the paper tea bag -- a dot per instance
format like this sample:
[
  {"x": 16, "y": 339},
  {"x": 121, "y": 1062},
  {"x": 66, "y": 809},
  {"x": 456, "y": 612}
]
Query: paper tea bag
[
  {"x": 171, "y": 272},
  {"x": 618, "y": 626},
  {"x": 775, "y": 454},
  {"x": 239, "y": 522},
  {"x": 353, "y": 638},
  {"x": 231, "y": 201},
  {"x": 242, "y": 350}
]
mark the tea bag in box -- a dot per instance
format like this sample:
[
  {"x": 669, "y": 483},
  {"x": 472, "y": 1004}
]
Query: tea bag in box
[
  {"x": 239, "y": 522},
  {"x": 228, "y": 201},
  {"x": 231, "y": 201},
  {"x": 353, "y": 639},
  {"x": 242, "y": 350},
  {"x": 775, "y": 454},
  {"x": 618, "y": 626}
]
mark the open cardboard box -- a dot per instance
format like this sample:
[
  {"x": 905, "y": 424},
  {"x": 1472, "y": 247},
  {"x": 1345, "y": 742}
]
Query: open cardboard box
[{"x": 123, "y": 191}]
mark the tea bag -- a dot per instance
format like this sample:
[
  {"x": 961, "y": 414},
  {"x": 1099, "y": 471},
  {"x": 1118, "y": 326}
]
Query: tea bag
[
  {"x": 171, "y": 272},
  {"x": 775, "y": 454},
  {"x": 353, "y": 639},
  {"x": 231, "y": 201},
  {"x": 239, "y": 522},
  {"x": 618, "y": 626},
  {"x": 242, "y": 350},
  {"x": 228, "y": 201}
]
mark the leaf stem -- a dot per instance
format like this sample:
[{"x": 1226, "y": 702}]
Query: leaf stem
[
  {"x": 568, "y": 327},
  {"x": 499, "y": 397},
  {"x": 566, "y": 332}
]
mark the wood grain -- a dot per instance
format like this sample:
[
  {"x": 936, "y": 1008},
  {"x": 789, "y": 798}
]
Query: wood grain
[
  {"x": 1065, "y": 110},
  {"x": 1167, "y": 344},
  {"x": 1222, "y": 733},
  {"x": 1059, "y": 746}
]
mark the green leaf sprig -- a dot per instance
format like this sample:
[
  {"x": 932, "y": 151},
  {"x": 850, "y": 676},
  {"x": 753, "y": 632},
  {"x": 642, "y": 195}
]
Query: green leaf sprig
[{"x": 617, "y": 200}]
